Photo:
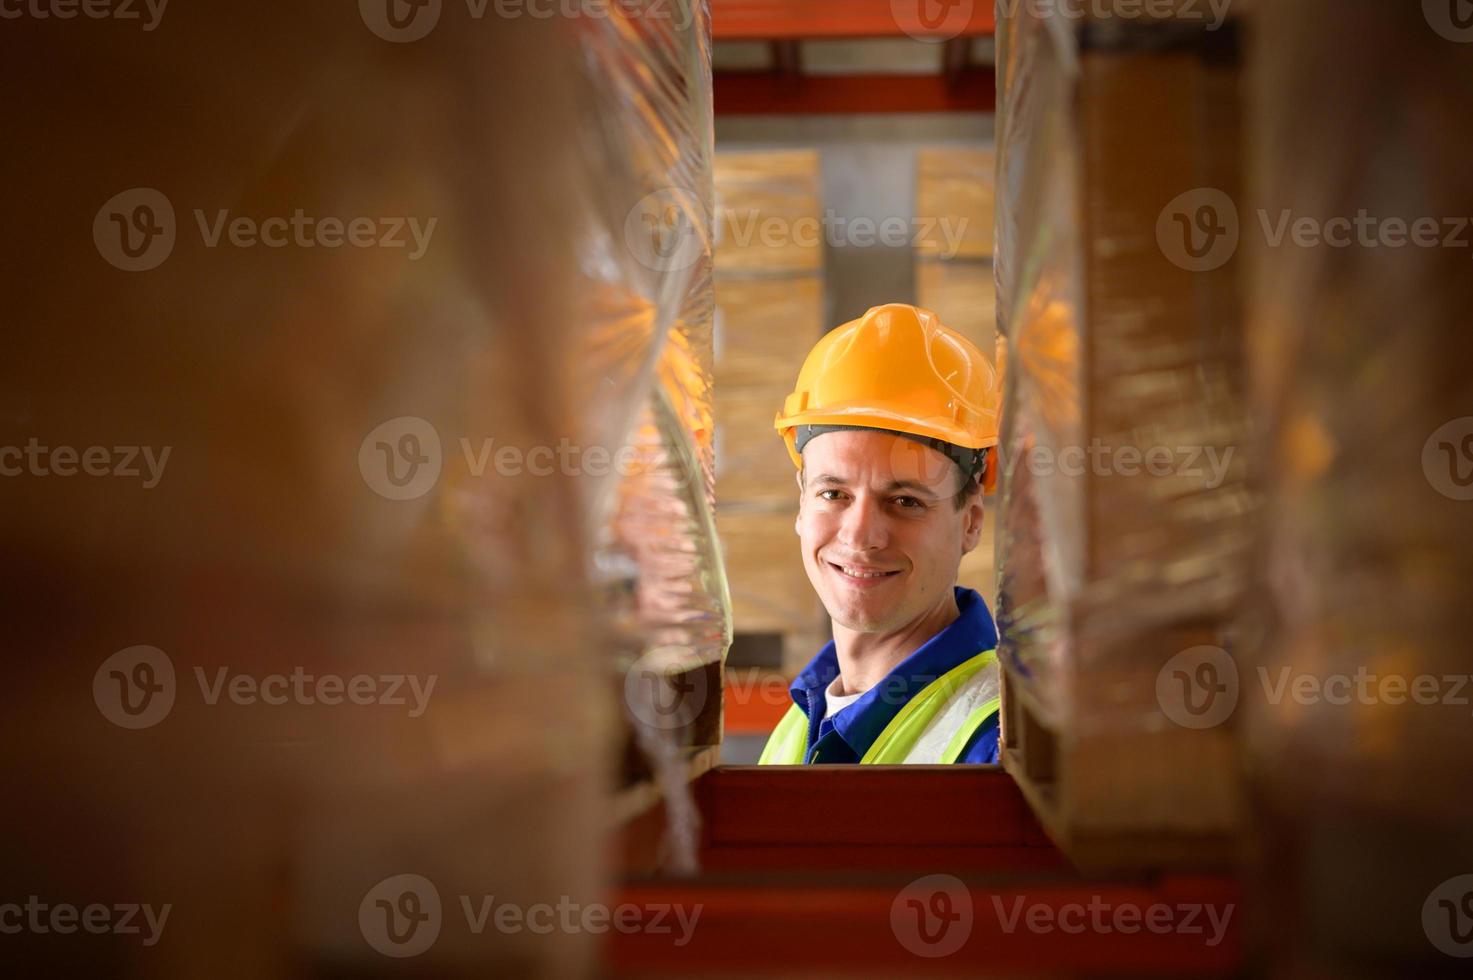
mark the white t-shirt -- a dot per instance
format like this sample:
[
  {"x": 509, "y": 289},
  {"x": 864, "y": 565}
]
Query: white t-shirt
[{"x": 835, "y": 703}]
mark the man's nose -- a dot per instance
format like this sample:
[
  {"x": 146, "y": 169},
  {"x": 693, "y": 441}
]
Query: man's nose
[{"x": 864, "y": 527}]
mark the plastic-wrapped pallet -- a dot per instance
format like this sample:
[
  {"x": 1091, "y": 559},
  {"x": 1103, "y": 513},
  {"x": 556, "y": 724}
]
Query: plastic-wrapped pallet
[
  {"x": 1125, "y": 512},
  {"x": 770, "y": 312},
  {"x": 1355, "y": 704},
  {"x": 955, "y": 279},
  {"x": 380, "y": 311}
]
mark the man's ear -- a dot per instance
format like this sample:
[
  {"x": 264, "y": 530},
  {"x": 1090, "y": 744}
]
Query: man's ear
[{"x": 972, "y": 521}]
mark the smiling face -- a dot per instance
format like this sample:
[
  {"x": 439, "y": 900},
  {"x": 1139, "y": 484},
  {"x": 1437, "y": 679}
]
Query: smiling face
[{"x": 882, "y": 536}]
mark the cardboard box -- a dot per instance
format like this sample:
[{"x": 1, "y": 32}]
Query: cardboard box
[
  {"x": 767, "y": 213},
  {"x": 764, "y": 328},
  {"x": 954, "y": 203}
]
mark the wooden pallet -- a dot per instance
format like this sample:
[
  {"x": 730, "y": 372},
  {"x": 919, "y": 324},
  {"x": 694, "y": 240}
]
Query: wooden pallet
[{"x": 1130, "y": 801}]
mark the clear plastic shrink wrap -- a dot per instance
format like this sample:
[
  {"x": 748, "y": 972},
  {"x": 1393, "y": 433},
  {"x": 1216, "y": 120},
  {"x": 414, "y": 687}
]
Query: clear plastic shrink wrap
[
  {"x": 1125, "y": 509},
  {"x": 390, "y": 454}
]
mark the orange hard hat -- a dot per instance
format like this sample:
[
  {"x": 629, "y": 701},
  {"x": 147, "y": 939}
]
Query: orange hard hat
[{"x": 898, "y": 368}]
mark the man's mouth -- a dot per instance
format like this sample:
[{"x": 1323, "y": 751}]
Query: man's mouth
[{"x": 860, "y": 573}]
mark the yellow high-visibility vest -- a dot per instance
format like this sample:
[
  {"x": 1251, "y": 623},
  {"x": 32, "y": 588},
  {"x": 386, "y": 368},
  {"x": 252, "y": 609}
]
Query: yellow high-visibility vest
[{"x": 933, "y": 727}]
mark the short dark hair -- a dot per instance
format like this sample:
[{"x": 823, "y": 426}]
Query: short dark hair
[{"x": 970, "y": 485}]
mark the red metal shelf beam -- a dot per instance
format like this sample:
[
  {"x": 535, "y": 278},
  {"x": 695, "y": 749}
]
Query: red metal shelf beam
[
  {"x": 771, "y": 20},
  {"x": 770, "y": 93}
]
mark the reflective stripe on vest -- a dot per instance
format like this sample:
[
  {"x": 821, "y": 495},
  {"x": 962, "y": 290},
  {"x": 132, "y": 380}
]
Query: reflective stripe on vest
[{"x": 933, "y": 727}]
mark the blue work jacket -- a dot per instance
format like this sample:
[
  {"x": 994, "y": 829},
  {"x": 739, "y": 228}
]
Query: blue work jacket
[{"x": 848, "y": 735}]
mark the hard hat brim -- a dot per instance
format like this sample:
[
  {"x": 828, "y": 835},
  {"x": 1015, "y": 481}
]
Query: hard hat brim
[{"x": 870, "y": 417}]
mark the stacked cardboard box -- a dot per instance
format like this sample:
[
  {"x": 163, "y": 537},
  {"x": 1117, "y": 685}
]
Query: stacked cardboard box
[
  {"x": 954, "y": 278},
  {"x": 1125, "y": 512},
  {"x": 316, "y": 517},
  {"x": 769, "y": 313}
]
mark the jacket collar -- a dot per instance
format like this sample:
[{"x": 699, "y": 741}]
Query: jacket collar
[{"x": 861, "y": 723}]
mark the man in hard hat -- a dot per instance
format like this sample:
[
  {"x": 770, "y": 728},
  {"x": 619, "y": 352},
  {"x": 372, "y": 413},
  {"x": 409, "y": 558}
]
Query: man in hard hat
[{"x": 893, "y": 428}]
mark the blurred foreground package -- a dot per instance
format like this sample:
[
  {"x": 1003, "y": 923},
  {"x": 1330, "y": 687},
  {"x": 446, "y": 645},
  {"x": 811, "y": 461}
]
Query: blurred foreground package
[
  {"x": 1363, "y": 768},
  {"x": 1125, "y": 513},
  {"x": 405, "y": 325}
]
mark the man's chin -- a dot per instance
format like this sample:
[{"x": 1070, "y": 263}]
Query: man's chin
[{"x": 861, "y": 617}]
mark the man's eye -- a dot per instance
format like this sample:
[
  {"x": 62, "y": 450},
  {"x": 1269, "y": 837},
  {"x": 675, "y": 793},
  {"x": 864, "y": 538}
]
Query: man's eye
[
  {"x": 909, "y": 502},
  {"x": 825, "y": 494}
]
